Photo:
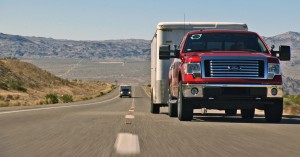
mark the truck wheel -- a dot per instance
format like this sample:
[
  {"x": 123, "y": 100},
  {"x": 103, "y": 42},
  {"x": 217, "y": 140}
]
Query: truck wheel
[
  {"x": 172, "y": 107},
  {"x": 173, "y": 112},
  {"x": 154, "y": 107},
  {"x": 273, "y": 113},
  {"x": 185, "y": 110},
  {"x": 248, "y": 113},
  {"x": 231, "y": 112}
]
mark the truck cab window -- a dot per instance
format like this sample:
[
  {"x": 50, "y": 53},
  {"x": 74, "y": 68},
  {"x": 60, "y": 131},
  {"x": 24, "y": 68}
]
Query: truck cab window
[{"x": 224, "y": 42}]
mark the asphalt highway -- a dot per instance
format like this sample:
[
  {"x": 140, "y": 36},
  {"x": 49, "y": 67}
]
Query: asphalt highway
[{"x": 113, "y": 126}]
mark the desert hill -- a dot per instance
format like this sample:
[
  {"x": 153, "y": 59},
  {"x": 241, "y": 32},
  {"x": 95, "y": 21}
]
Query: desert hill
[{"x": 22, "y": 83}]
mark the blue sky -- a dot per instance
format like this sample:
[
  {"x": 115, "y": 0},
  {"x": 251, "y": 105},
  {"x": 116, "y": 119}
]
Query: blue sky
[{"x": 137, "y": 19}]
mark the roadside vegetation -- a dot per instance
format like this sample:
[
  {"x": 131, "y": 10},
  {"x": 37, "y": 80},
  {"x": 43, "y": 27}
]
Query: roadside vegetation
[
  {"x": 23, "y": 84},
  {"x": 292, "y": 104},
  {"x": 292, "y": 100}
]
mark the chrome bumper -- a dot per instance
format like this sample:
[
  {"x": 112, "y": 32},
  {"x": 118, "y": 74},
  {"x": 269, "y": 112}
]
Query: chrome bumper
[{"x": 186, "y": 88}]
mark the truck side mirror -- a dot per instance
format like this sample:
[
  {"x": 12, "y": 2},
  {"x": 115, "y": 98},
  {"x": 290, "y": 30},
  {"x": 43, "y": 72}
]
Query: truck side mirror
[
  {"x": 284, "y": 53},
  {"x": 164, "y": 52},
  {"x": 176, "y": 53}
]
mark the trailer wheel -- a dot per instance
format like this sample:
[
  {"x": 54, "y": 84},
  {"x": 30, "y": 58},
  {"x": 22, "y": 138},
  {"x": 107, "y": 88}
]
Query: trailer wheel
[
  {"x": 248, "y": 113},
  {"x": 172, "y": 107},
  {"x": 154, "y": 107},
  {"x": 185, "y": 110},
  {"x": 273, "y": 113}
]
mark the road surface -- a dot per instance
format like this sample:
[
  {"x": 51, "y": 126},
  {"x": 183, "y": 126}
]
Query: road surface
[{"x": 113, "y": 126}]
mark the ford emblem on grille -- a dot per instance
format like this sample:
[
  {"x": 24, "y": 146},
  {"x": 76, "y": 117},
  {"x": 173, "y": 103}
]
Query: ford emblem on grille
[{"x": 234, "y": 68}]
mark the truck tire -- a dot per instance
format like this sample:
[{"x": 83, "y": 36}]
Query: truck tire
[
  {"x": 173, "y": 112},
  {"x": 273, "y": 113},
  {"x": 230, "y": 112},
  {"x": 185, "y": 110},
  {"x": 172, "y": 107},
  {"x": 154, "y": 107},
  {"x": 248, "y": 113}
]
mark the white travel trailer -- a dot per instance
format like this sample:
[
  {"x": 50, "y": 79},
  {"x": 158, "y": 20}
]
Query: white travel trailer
[{"x": 171, "y": 33}]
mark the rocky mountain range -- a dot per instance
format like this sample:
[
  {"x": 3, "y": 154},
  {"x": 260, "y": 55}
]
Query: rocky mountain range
[
  {"x": 289, "y": 38},
  {"x": 26, "y": 47}
]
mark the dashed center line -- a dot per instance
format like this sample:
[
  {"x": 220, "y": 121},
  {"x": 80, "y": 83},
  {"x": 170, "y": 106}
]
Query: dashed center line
[
  {"x": 129, "y": 116},
  {"x": 127, "y": 144}
]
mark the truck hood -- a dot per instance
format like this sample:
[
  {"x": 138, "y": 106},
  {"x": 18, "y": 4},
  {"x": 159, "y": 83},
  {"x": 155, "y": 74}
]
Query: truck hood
[{"x": 196, "y": 56}]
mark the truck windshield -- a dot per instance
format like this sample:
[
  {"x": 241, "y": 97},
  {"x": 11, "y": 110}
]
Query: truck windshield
[
  {"x": 224, "y": 42},
  {"x": 126, "y": 90}
]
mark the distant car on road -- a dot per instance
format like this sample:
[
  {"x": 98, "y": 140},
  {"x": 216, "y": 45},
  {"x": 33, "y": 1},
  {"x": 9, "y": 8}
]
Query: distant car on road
[{"x": 125, "y": 90}]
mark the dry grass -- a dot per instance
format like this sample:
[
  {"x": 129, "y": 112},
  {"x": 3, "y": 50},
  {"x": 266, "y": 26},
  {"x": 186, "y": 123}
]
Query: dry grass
[
  {"x": 292, "y": 104},
  {"x": 38, "y": 83},
  {"x": 293, "y": 110}
]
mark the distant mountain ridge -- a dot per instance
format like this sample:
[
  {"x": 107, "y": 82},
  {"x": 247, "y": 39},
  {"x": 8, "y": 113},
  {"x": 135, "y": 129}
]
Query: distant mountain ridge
[
  {"x": 289, "y": 38},
  {"x": 21, "y": 46}
]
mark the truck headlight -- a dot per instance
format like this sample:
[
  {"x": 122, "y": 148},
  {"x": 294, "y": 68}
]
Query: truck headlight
[
  {"x": 273, "y": 69},
  {"x": 193, "y": 68}
]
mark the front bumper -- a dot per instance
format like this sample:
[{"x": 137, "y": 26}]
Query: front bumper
[
  {"x": 255, "y": 91},
  {"x": 125, "y": 94}
]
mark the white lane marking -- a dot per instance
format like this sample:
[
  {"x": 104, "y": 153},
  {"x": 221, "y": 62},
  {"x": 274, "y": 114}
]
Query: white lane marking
[
  {"x": 48, "y": 108},
  {"x": 112, "y": 63},
  {"x": 128, "y": 116},
  {"x": 146, "y": 92},
  {"x": 73, "y": 67},
  {"x": 127, "y": 144},
  {"x": 132, "y": 104}
]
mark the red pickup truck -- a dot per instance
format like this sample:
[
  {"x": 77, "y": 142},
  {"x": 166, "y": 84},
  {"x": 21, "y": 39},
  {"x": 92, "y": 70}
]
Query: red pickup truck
[{"x": 225, "y": 70}]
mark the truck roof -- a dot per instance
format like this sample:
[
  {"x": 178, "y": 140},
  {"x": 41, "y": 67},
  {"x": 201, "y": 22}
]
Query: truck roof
[{"x": 202, "y": 25}]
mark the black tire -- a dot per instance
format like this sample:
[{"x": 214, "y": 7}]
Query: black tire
[
  {"x": 173, "y": 112},
  {"x": 154, "y": 107},
  {"x": 248, "y": 113},
  {"x": 172, "y": 107},
  {"x": 185, "y": 110},
  {"x": 230, "y": 112},
  {"x": 273, "y": 113}
]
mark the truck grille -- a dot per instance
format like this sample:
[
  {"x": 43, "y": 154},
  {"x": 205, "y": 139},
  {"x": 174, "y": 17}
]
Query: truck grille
[{"x": 219, "y": 68}]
